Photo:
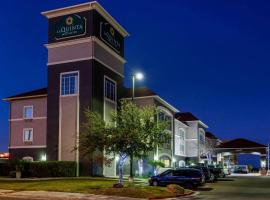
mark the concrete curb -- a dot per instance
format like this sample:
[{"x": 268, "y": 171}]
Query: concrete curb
[
  {"x": 193, "y": 193},
  {"x": 61, "y": 195}
]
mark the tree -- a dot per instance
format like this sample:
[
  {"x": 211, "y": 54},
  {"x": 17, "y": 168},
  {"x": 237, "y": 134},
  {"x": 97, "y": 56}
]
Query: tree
[
  {"x": 132, "y": 132},
  {"x": 156, "y": 164}
]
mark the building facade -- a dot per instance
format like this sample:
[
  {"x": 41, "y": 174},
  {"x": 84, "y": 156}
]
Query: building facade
[{"x": 86, "y": 70}]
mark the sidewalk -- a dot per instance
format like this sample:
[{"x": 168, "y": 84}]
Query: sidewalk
[{"x": 58, "y": 195}]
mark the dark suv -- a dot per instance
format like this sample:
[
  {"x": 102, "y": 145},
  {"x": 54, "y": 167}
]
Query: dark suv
[
  {"x": 209, "y": 177},
  {"x": 185, "y": 177}
]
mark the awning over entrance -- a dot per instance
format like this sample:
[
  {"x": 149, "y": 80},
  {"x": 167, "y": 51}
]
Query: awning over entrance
[{"x": 241, "y": 146}]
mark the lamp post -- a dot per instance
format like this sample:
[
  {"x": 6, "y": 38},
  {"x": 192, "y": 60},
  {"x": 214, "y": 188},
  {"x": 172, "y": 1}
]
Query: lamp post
[
  {"x": 138, "y": 76},
  {"x": 268, "y": 162}
]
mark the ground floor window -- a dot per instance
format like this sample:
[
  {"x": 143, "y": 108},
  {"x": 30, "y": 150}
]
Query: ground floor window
[{"x": 166, "y": 160}]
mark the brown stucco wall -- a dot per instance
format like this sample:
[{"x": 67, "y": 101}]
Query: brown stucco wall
[
  {"x": 39, "y": 107},
  {"x": 38, "y": 123}
]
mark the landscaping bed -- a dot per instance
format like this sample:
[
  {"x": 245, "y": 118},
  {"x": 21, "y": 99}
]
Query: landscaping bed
[{"x": 101, "y": 186}]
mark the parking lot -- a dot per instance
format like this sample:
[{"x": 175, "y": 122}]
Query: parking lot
[{"x": 240, "y": 188}]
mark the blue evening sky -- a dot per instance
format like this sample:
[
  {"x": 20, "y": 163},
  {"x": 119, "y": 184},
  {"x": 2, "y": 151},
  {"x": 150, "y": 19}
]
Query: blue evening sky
[{"x": 207, "y": 57}]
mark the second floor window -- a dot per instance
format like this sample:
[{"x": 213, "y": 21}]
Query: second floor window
[
  {"x": 28, "y": 112},
  {"x": 28, "y": 135},
  {"x": 182, "y": 141},
  {"x": 110, "y": 89},
  {"x": 69, "y": 84}
]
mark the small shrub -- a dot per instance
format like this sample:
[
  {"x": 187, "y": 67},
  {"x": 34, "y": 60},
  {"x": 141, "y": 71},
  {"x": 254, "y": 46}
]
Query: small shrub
[
  {"x": 5, "y": 168},
  {"x": 175, "y": 189}
]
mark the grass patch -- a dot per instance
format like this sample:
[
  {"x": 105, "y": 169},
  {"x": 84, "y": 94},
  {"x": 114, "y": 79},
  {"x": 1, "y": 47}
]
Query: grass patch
[{"x": 102, "y": 186}]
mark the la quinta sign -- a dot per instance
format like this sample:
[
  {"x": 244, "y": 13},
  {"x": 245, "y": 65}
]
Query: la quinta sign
[{"x": 70, "y": 26}]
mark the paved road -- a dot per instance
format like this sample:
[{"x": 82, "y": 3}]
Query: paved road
[{"x": 240, "y": 188}]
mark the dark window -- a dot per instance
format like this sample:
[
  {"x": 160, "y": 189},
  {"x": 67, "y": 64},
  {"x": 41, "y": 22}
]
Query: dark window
[
  {"x": 110, "y": 89},
  {"x": 69, "y": 84}
]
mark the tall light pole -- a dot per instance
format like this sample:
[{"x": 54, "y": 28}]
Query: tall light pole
[
  {"x": 268, "y": 157},
  {"x": 138, "y": 76}
]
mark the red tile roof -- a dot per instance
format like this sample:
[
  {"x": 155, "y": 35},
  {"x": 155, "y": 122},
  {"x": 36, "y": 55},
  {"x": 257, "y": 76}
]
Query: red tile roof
[
  {"x": 33, "y": 93},
  {"x": 240, "y": 143},
  {"x": 210, "y": 135}
]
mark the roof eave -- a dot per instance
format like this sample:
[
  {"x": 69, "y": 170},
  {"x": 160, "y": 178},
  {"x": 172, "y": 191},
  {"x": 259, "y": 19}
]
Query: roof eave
[
  {"x": 25, "y": 97},
  {"x": 166, "y": 103}
]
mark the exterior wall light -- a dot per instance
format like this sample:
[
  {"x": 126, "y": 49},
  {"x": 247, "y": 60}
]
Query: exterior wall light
[
  {"x": 44, "y": 157},
  {"x": 116, "y": 158}
]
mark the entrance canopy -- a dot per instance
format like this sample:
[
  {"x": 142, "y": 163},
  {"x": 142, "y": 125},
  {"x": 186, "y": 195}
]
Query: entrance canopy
[{"x": 241, "y": 146}]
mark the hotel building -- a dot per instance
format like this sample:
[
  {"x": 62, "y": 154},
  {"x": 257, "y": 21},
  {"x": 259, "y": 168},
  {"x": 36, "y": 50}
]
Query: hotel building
[{"x": 86, "y": 69}]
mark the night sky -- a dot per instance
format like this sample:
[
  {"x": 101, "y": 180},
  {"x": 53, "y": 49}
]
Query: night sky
[{"x": 211, "y": 58}]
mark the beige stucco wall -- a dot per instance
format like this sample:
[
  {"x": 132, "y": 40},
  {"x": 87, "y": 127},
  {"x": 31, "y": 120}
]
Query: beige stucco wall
[{"x": 68, "y": 123}]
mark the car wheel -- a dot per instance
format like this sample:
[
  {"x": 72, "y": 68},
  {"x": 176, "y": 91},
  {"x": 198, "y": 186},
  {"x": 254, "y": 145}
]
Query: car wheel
[{"x": 155, "y": 183}]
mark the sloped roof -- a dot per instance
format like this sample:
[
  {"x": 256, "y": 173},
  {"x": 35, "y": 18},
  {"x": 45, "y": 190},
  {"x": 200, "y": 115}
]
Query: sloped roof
[
  {"x": 186, "y": 116},
  {"x": 31, "y": 94},
  {"x": 210, "y": 135},
  {"x": 240, "y": 143},
  {"x": 139, "y": 92}
]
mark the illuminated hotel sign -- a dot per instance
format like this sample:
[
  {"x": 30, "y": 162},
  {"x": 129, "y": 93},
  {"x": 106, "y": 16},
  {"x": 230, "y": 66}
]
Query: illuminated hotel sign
[
  {"x": 110, "y": 36},
  {"x": 70, "y": 26}
]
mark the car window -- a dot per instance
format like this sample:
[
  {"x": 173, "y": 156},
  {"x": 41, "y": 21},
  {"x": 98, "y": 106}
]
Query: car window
[
  {"x": 179, "y": 173},
  {"x": 166, "y": 173}
]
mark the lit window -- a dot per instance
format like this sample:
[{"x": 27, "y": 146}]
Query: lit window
[
  {"x": 28, "y": 135},
  {"x": 28, "y": 112},
  {"x": 182, "y": 141},
  {"x": 166, "y": 160},
  {"x": 69, "y": 84},
  {"x": 110, "y": 89}
]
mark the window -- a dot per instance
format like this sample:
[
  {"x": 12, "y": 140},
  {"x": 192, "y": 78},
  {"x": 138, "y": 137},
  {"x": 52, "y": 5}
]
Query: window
[
  {"x": 166, "y": 160},
  {"x": 162, "y": 116},
  {"x": 69, "y": 83},
  {"x": 110, "y": 89},
  {"x": 182, "y": 141},
  {"x": 28, "y": 112},
  {"x": 28, "y": 135}
]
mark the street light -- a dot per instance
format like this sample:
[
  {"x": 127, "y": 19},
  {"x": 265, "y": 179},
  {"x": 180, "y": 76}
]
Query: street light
[
  {"x": 268, "y": 171},
  {"x": 138, "y": 76}
]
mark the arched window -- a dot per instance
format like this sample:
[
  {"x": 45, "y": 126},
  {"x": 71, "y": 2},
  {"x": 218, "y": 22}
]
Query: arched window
[
  {"x": 182, "y": 163},
  {"x": 166, "y": 160},
  {"x": 28, "y": 159}
]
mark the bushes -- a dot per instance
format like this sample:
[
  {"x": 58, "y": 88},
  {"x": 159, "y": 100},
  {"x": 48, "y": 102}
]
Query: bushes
[
  {"x": 5, "y": 168},
  {"x": 40, "y": 169},
  {"x": 52, "y": 169}
]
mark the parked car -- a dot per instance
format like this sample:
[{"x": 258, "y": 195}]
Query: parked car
[
  {"x": 185, "y": 177},
  {"x": 217, "y": 171},
  {"x": 240, "y": 169},
  {"x": 209, "y": 177}
]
